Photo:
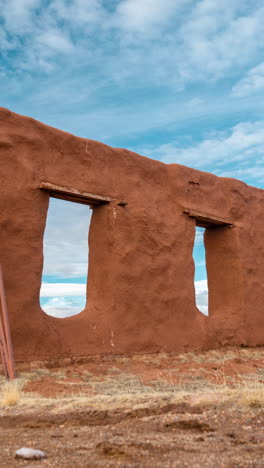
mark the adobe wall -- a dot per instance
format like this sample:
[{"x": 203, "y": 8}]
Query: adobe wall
[{"x": 141, "y": 270}]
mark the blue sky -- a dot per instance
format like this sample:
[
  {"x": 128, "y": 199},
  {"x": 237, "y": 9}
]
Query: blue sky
[{"x": 177, "y": 80}]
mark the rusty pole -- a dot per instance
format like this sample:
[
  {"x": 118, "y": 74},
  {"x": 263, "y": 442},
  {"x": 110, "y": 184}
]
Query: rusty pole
[
  {"x": 6, "y": 330},
  {"x": 3, "y": 349}
]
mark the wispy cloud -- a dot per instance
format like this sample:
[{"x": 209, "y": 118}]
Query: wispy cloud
[
  {"x": 199, "y": 236},
  {"x": 78, "y": 13},
  {"x": 88, "y": 67},
  {"x": 18, "y": 17},
  {"x": 53, "y": 40},
  {"x": 62, "y": 289},
  {"x": 66, "y": 240},
  {"x": 201, "y": 290},
  {"x": 146, "y": 18},
  {"x": 63, "y": 306},
  {"x": 193, "y": 40},
  {"x": 252, "y": 82},
  {"x": 236, "y": 152},
  {"x": 215, "y": 34}
]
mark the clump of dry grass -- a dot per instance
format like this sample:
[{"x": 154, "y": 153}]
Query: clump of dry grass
[
  {"x": 11, "y": 392},
  {"x": 242, "y": 394},
  {"x": 125, "y": 402},
  {"x": 36, "y": 374},
  {"x": 250, "y": 394}
]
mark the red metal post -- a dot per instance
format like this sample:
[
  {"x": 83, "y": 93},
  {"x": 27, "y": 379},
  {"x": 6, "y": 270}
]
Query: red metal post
[
  {"x": 6, "y": 330},
  {"x": 3, "y": 349}
]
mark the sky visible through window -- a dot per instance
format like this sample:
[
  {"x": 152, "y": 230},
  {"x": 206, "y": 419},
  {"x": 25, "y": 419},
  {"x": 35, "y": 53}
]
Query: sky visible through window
[
  {"x": 63, "y": 291},
  {"x": 200, "y": 279}
]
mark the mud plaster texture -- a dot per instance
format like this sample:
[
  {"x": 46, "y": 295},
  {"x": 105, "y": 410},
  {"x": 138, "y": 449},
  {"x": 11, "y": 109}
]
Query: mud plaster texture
[{"x": 141, "y": 295}]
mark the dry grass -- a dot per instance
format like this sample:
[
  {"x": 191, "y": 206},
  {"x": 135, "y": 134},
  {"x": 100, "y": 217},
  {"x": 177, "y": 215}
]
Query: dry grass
[
  {"x": 245, "y": 396},
  {"x": 36, "y": 374},
  {"x": 217, "y": 355},
  {"x": 119, "y": 389},
  {"x": 250, "y": 394},
  {"x": 130, "y": 394},
  {"x": 11, "y": 392},
  {"x": 123, "y": 402}
]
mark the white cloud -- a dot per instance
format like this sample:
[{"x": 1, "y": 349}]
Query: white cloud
[
  {"x": 252, "y": 82},
  {"x": 193, "y": 41},
  {"x": 145, "y": 16},
  {"x": 62, "y": 289},
  {"x": 55, "y": 264},
  {"x": 19, "y": 15},
  {"x": 62, "y": 307},
  {"x": 213, "y": 36},
  {"x": 55, "y": 40},
  {"x": 201, "y": 291},
  {"x": 237, "y": 152},
  {"x": 81, "y": 12},
  {"x": 61, "y": 312},
  {"x": 199, "y": 236},
  {"x": 66, "y": 240},
  {"x": 201, "y": 286}
]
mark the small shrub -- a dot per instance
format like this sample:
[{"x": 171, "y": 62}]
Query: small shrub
[
  {"x": 252, "y": 396},
  {"x": 11, "y": 393}
]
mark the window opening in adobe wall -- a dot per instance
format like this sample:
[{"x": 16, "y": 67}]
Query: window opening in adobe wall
[
  {"x": 65, "y": 269},
  {"x": 200, "y": 277}
]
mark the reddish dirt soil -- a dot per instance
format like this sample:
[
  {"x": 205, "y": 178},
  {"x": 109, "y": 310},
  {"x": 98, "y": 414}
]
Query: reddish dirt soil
[
  {"x": 149, "y": 368},
  {"x": 181, "y": 437},
  {"x": 173, "y": 435}
]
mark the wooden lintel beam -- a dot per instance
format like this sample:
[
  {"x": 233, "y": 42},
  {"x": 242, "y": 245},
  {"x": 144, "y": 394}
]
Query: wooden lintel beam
[
  {"x": 72, "y": 194},
  {"x": 206, "y": 220}
]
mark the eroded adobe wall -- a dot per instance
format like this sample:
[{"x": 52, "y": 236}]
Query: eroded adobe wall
[{"x": 141, "y": 288}]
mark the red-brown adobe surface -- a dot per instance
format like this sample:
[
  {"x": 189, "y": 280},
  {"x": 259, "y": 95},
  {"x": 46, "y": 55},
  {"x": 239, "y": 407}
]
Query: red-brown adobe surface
[{"x": 141, "y": 294}]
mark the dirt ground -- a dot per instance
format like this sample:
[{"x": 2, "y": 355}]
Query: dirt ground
[{"x": 181, "y": 410}]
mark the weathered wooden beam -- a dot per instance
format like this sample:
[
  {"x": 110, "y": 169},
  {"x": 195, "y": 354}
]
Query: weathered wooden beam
[
  {"x": 207, "y": 220},
  {"x": 72, "y": 194}
]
